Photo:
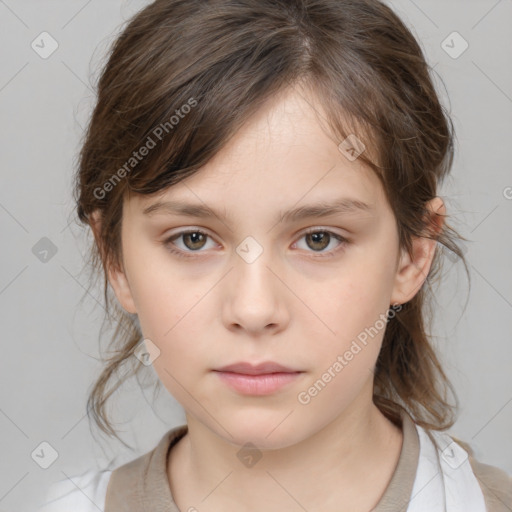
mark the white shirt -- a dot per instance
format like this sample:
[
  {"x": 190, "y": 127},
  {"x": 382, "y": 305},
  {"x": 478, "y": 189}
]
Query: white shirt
[
  {"x": 444, "y": 482},
  {"x": 81, "y": 493}
]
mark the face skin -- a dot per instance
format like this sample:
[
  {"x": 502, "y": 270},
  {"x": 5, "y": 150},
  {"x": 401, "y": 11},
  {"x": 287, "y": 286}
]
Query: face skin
[{"x": 292, "y": 305}]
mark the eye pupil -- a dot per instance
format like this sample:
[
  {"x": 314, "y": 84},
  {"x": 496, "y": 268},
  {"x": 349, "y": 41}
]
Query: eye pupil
[
  {"x": 196, "y": 237},
  {"x": 317, "y": 241},
  {"x": 321, "y": 237}
]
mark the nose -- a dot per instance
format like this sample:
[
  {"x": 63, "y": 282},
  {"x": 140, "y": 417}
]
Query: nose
[{"x": 255, "y": 297}]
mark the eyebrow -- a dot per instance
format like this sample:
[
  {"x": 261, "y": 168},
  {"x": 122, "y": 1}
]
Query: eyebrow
[{"x": 343, "y": 205}]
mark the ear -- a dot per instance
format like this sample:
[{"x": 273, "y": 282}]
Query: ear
[
  {"x": 116, "y": 276},
  {"x": 412, "y": 270}
]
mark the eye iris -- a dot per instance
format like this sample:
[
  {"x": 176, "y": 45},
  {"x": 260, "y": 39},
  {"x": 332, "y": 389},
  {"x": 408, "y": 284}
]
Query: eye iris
[
  {"x": 317, "y": 240},
  {"x": 320, "y": 236},
  {"x": 195, "y": 237}
]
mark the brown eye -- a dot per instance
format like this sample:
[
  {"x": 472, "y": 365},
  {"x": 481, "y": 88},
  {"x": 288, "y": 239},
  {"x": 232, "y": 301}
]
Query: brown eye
[
  {"x": 194, "y": 240},
  {"x": 318, "y": 240},
  {"x": 191, "y": 241}
]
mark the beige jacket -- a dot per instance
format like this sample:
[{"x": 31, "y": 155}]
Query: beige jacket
[{"x": 433, "y": 474}]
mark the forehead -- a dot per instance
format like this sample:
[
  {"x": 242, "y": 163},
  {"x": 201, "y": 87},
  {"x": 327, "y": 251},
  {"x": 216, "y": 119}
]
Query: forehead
[{"x": 282, "y": 156}]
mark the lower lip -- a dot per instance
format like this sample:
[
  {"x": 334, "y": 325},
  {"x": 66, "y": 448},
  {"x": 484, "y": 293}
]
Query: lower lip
[{"x": 264, "y": 384}]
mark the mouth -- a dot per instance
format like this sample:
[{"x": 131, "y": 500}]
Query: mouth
[
  {"x": 261, "y": 379},
  {"x": 264, "y": 368}
]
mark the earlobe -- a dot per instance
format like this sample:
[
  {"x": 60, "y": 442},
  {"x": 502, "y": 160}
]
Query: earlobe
[
  {"x": 119, "y": 282},
  {"x": 116, "y": 276},
  {"x": 413, "y": 268},
  {"x": 412, "y": 271}
]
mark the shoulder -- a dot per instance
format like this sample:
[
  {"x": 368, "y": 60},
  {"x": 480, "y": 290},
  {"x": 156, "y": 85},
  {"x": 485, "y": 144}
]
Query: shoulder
[
  {"x": 81, "y": 493},
  {"x": 494, "y": 483}
]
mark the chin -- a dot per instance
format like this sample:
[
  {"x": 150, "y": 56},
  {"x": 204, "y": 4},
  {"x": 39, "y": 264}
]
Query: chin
[{"x": 265, "y": 431}]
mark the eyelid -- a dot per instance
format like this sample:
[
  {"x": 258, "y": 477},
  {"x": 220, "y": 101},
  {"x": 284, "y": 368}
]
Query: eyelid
[
  {"x": 180, "y": 252},
  {"x": 343, "y": 241}
]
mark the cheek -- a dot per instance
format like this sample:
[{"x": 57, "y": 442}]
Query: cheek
[
  {"x": 357, "y": 302},
  {"x": 183, "y": 354},
  {"x": 335, "y": 388},
  {"x": 162, "y": 296},
  {"x": 344, "y": 363},
  {"x": 172, "y": 318},
  {"x": 169, "y": 313},
  {"x": 357, "y": 313},
  {"x": 172, "y": 315}
]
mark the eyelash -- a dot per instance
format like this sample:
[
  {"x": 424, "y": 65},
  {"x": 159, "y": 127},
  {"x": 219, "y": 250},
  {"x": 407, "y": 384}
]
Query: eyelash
[{"x": 189, "y": 254}]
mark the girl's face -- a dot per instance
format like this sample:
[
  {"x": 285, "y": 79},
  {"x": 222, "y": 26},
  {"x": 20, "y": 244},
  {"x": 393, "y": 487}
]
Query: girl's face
[{"x": 253, "y": 286}]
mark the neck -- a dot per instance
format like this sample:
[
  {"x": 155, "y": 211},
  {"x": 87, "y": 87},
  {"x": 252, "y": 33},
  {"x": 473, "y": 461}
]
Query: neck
[{"x": 354, "y": 456}]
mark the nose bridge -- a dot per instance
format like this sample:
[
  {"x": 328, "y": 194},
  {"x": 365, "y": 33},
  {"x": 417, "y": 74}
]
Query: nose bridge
[
  {"x": 252, "y": 267},
  {"x": 254, "y": 294}
]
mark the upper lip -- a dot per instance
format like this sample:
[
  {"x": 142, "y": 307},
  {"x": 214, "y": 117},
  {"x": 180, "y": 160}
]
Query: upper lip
[{"x": 256, "y": 369}]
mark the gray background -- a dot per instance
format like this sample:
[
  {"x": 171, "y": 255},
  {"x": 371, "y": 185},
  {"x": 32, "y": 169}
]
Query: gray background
[{"x": 50, "y": 338}]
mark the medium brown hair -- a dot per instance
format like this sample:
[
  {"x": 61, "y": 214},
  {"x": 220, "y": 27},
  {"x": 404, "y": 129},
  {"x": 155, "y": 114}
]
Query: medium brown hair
[{"x": 223, "y": 59}]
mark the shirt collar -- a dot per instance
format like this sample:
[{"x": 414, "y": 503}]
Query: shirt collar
[{"x": 143, "y": 484}]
